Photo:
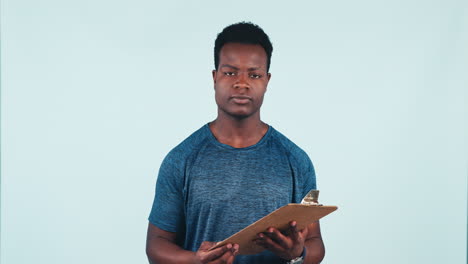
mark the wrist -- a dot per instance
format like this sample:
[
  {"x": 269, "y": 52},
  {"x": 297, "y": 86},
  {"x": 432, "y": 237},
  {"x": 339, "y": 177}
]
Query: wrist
[{"x": 298, "y": 260}]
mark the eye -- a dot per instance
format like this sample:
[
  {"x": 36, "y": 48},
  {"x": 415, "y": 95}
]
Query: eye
[
  {"x": 229, "y": 73},
  {"x": 255, "y": 76}
]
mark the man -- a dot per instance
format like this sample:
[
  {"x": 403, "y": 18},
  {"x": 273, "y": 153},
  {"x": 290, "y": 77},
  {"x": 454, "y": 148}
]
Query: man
[{"x": 233, "y": 171}]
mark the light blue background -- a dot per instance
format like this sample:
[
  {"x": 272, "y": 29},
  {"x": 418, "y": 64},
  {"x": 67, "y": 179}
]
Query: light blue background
[{"x": 95, "y": 93}]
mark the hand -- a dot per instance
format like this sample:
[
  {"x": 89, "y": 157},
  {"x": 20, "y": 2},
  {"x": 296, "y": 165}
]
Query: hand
[
  {"x": 288, "y": 246},
  {"x": 221, "y": 255}
]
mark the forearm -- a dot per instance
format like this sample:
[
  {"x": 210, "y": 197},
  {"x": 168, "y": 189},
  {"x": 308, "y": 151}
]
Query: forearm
[
  {"x": 160, "y": 250},
  {"x": 315, "y": 250}
]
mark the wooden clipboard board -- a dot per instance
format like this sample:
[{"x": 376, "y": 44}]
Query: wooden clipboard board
[{"x": 279, "y": 219}]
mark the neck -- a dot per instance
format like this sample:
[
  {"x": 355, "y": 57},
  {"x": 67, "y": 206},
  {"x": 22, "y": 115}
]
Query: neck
[{"x": 238, "y": 133}]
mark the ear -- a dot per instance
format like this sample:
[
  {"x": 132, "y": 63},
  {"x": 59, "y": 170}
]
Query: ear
[
  {"x": 214, "y": 73},
  {"x": 268, "y": 80}
]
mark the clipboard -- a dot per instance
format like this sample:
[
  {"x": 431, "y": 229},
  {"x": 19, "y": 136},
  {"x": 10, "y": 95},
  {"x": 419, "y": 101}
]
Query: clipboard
[{"x": 303, "y": 214}]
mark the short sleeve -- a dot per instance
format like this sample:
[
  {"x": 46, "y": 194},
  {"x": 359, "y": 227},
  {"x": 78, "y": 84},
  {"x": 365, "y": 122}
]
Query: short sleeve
[
  {"x": 309, "y": 180},
  {"x": 167, "y": 212}
]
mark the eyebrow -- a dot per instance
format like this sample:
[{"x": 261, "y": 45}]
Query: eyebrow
[
  {"x": 235, "y": 68},
  {"x": 229, "y": 66}
]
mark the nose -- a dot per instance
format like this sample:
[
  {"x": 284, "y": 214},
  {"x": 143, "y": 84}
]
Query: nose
[{"x": 242, "y": 82}]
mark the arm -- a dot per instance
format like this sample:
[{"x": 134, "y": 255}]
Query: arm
[
  {"x": 162, "y": 248},
  {"x": 292, "y": 245},
  {"x": 314, "y": 244}
]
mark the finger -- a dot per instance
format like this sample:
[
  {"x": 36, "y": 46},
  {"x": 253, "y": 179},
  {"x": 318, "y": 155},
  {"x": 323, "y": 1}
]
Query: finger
[
  {"x": 205, "y": 245},
  {"x": 230, "y": 259},
  {"x": 294, "y": 233},
  {"x": 278, "y": 237},
  {"x": 226, "y": 257},
  {"x": 235, "y": 249},
  {"x": 303, "y": 233},
  {"x": 268, "y": 243},
  {"x": 217, "y": 253}
]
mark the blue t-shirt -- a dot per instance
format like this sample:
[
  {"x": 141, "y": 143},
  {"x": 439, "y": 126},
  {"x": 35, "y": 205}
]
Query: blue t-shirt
[{"x": 207, "y": 191}]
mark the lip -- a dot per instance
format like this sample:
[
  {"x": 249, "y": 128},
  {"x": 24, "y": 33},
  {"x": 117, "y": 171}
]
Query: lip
[{"x": 241, "y": 99}]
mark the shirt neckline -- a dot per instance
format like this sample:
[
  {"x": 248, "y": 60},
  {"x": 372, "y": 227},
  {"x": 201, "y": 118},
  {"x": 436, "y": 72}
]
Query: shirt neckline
[{"x": 219, "y": 144}]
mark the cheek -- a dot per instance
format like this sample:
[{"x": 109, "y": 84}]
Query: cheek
[
  {"x": 261, "y": 92},
  {"x": 216, "y": 98},
  {"x": 221, "y": 89},
  {"x": 261, "y": 96},
  {"x": 219, "y": 95}
]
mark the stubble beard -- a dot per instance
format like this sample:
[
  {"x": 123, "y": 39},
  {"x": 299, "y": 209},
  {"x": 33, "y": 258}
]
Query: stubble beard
[{"x": 238, "y": 116}]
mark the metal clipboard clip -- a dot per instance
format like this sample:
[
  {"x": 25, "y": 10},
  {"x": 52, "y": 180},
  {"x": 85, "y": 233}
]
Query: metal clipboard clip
[{"x": 311, "y": 198}]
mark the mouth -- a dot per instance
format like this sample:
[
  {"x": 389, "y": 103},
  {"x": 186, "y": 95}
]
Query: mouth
[{"x": 241, "y": 99}]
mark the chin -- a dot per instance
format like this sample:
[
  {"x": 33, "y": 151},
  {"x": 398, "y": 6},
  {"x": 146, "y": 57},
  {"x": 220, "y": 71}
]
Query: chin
[{"x": 241, "y": 115}]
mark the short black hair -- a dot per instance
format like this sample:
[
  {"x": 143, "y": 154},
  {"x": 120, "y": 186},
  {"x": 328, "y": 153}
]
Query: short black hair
[{"x": 245, "y": 33}]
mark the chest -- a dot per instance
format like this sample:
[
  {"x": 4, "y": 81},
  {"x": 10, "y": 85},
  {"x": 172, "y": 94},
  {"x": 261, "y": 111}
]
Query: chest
[{"x": 221, "y": 177}]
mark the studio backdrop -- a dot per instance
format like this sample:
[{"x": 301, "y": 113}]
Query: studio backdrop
[{"x": 95, "y": 93}]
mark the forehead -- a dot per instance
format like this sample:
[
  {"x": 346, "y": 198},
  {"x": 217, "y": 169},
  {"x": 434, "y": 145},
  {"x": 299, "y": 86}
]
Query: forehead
[{"x": 243, "y": 55}]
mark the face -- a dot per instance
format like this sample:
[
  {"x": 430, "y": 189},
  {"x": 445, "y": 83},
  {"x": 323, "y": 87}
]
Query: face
[{"x": 241, "y": 80}]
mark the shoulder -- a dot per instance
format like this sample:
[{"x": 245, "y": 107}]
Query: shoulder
[
  {"x": 188, "y": 147},
  {"x": 300, "y": 163},
  {"x": 293, "y": 151}
]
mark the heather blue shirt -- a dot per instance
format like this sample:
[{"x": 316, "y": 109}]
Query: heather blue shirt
[{"x": 207, "y": 191}]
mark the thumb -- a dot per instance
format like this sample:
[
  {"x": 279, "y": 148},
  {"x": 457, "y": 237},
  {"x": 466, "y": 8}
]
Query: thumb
[
  {"x": 205, "y": 245},
  {"x": 304, "y": 232}
]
